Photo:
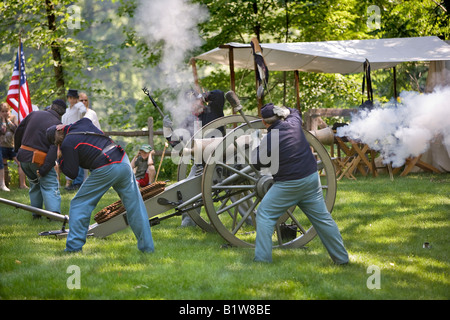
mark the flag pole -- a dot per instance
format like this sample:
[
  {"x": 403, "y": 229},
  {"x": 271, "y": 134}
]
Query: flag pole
[{"x": 20, "y": 77}]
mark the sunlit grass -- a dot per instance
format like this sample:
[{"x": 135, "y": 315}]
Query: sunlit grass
[{"x": 384, "y": 223}]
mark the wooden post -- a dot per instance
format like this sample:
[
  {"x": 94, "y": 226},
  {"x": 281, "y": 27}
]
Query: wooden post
[
  {"x": 231, "y": 65},
  {"x": 260, "y": 102},
  {"x": 232, "y": 74},
  {"x": 395, "y": 83},
  {"x": 150, "y": 132},
  {"x": 194, "y": 71}
]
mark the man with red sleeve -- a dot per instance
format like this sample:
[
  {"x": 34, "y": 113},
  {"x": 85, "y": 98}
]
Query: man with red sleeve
[{"x": 83, "y": 145}]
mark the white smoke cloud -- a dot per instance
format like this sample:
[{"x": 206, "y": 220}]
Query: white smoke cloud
[
  {"x": 403, "y": 130},
  {"x": 174, "y": 24}
]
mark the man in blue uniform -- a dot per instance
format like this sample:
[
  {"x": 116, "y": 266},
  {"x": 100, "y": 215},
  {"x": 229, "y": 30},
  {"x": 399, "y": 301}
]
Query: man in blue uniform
[
  {"x": 30, "y": 141},
  {"x": 296, "y": 182},
  {"x": 83, "y": 145}
]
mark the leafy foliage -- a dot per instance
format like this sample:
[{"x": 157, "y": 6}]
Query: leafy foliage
[
  {"x": 108, "y": 58},
  {"x": 30, "y": 21}
]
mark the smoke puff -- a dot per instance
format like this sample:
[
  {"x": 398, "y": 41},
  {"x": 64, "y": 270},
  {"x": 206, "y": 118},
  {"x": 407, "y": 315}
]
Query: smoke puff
[
  {"x": 402, "y": 130},
  {"x": 172, "y": 24}
]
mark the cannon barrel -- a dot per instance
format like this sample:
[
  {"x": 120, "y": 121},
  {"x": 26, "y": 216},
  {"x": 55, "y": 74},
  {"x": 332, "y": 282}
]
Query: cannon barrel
[
  {"x": 203, "y": 148},
  {"x": 42, "y": 212},
  {"x": 325, "y": 135}
]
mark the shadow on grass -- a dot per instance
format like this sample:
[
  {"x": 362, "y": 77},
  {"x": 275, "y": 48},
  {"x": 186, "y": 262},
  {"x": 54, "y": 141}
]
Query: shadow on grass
[{"x": 383, "y": 226}]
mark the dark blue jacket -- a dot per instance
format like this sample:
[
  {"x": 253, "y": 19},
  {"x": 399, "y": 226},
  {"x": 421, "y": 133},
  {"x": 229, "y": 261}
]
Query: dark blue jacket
[
  {"x": 32, "y": 133},
  {"x": 213, "y": 110},
  {"x": 295, "y": 158},
  {"x": 86, "y": 150}
]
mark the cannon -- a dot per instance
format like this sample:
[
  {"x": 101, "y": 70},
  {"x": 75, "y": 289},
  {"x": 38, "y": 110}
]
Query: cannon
[{"x": 223, "y": 194}]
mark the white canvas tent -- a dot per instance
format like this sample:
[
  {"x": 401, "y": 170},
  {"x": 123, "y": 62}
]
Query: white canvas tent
[{"x": 343, "y": 57}]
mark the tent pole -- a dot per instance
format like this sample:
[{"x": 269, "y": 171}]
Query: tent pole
[
  {"x": 232, "y": 75},
  {"x": 297, "y": 90},
  {"x": 256, "y": 88},
  {"x": 194, "y": 71},
  {"x": 395, "y": 82}
]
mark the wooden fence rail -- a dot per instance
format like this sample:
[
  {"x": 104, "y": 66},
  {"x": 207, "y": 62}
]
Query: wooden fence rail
[{"x": 150, "y": 133}]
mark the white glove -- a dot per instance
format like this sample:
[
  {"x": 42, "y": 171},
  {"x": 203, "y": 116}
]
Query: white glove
[
  {"x": 281, "y": 111},
  {"x": 81, "y": 108}
]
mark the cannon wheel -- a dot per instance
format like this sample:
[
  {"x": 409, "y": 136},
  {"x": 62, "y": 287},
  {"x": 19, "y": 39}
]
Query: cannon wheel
[
  {"x": 248, "y": 186},
  {"x": 184, "y": 167}
]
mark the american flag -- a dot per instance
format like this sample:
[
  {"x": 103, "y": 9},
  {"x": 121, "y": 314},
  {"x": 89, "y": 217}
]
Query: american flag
[{"x": 19, "y": 94}]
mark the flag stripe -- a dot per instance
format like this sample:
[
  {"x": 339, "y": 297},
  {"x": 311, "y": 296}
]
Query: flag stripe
[{"x": 18, "y": 93}]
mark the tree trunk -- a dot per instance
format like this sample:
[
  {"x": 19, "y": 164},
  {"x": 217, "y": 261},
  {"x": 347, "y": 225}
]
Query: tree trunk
[
  {"x": 57, "y": 65},
  {"x": 257, "y": 26}
]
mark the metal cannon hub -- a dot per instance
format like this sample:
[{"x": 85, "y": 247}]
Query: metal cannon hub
[{"x": 263, "y": 185}]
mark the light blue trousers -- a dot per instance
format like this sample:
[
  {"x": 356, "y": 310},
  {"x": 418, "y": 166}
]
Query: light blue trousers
[
  {"x": 119, "y": 176},
  {"x": 44, "y": 191},
  {"x": 307, "y": 194},
  {"x": 80, "y": 177}
]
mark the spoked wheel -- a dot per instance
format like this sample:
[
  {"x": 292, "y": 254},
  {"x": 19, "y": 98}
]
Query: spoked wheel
[
  {"x": 185, "y": 166},
  {"x": 232, "y": 190}
]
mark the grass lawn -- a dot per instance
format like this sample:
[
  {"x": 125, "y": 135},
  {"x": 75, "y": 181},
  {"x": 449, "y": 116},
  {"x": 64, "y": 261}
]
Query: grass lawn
[{"x": 384, "y": 224}]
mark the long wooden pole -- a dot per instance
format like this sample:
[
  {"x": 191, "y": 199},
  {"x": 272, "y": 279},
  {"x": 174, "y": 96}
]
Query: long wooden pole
[
  {"x": 160, "y": 162},
  {"x": 394, "y": 71},
  {"x": 194, "y": 71},
  {"x": 297, "y": 90}
]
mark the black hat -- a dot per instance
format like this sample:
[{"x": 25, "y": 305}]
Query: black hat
[
  {"x": 267, "y": 111},
  {"x": 60, "y": 102},
  {"x": 72, "y": 93},
  {"x": 59, "y": 106},
  {"x": 270, "y": 110},
  {"x": 51, "y": 134}
]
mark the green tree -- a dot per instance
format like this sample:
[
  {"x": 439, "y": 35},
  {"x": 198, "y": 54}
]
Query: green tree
[
  {"x": 108, "y": 58},
  {"x": 298, "y": 21},
  {"x": 287, "y": 21},
  {"x": 56, "y": 58}
]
